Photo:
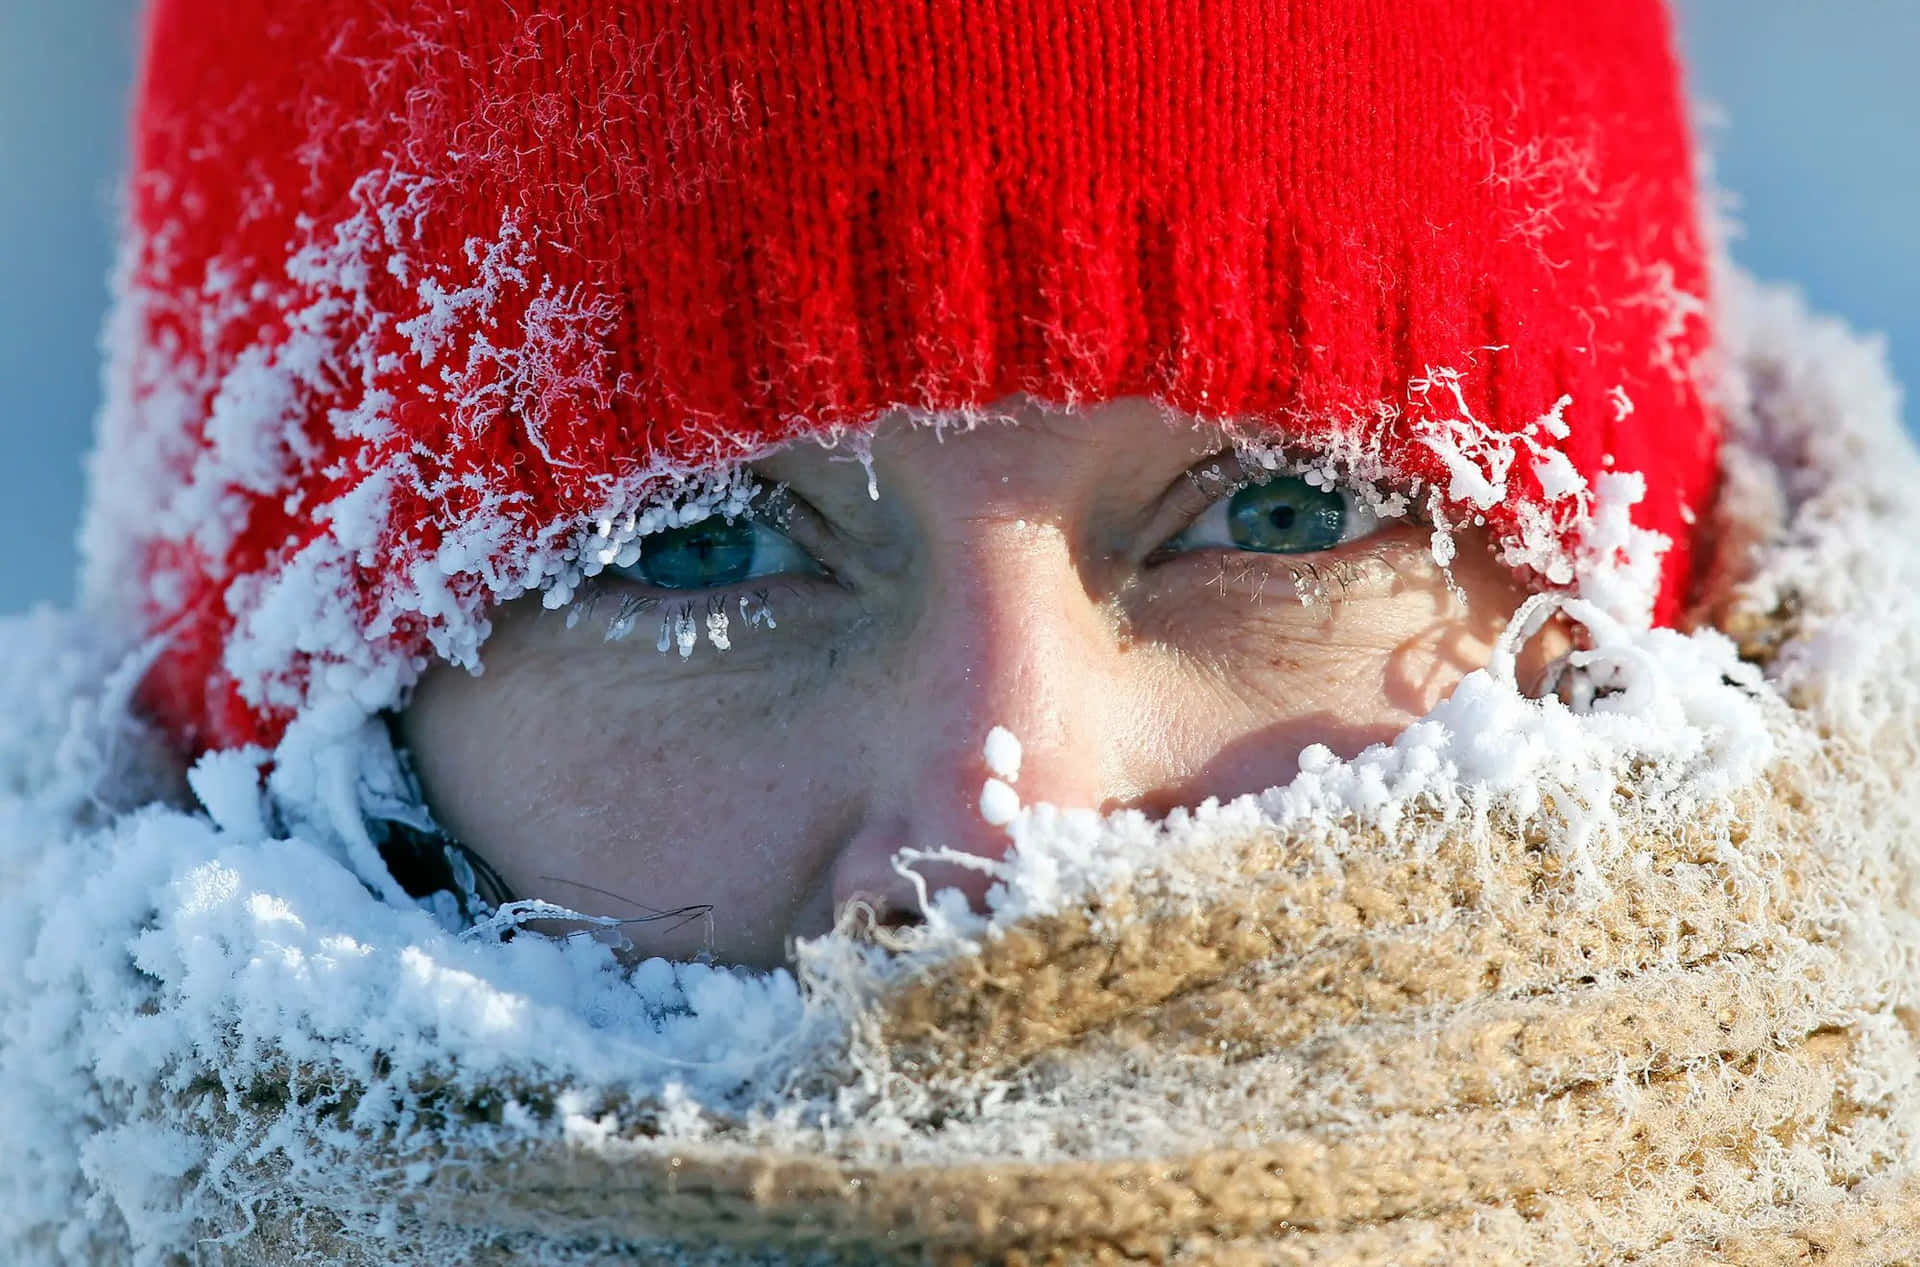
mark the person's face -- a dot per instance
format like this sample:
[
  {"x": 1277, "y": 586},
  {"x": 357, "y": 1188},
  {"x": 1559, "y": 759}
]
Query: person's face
[{"x": 1092, "y": 581}]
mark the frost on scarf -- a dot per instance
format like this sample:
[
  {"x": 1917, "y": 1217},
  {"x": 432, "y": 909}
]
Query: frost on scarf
[{"x": 217, "y": 1024}]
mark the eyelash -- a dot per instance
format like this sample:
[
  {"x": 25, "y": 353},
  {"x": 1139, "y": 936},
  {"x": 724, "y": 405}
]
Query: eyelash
[
  {"x": 1309, "y": 582},
  {"x": 682, "y": 620}
]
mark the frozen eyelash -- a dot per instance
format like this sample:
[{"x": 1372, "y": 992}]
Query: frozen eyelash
[
  {"x": 1326, "y": 584},
  {"x": 682, "y": 625},
  {"x": 631, "y": 609},
  {"x": 580, "y": 606},
  {"x": 1261, "y": 461},
  {"x": 678, "y": 630},
  {"x": 718, "y": 618}
]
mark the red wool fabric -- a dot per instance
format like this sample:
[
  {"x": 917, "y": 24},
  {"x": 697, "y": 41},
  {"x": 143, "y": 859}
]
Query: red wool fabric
[{"x": 399, "y": 270}]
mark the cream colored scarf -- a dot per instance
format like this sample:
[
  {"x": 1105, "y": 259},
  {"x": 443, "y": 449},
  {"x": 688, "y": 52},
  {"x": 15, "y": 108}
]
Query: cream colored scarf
[{"x": 1448, "y": 1058}]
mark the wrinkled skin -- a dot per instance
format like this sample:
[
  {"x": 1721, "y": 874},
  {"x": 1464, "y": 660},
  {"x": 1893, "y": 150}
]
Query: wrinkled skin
[{"x": 1007, "y": 575}]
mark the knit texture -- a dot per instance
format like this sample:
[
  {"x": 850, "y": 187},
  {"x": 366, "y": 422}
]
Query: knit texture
[
  {"x": 415, "y": 294},
  {"x": 1391, "y": 1063}
]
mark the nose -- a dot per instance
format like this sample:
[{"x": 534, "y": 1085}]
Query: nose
[{"x": 1007, "y": 637}]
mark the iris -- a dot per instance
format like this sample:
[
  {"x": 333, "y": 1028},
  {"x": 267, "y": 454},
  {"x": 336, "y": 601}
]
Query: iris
[
  {"x": 1286, "y": 516},
  {"x": 1283, "y": 515},
  {"x": 716, "y": 552}
]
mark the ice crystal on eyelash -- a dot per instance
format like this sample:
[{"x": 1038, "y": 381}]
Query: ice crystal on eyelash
[
  {"x": 682, "y": 626},
  {"x": 1310, "y": 587},
  {"x": 612, "y": 537},
  {"x": 631, "y": 608},
  {"x": 581, "y": 606},
  {"x": 1327, "y": 472},
  {"x": 1442, "y": 544}
]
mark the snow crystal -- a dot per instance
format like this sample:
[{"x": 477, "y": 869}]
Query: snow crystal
[
  {"x": 1002, "y": 754},
  {"x": 1557, "y": 476},
  {"x": 999, "y": 803},
  {"x": 717, "y": 629}
]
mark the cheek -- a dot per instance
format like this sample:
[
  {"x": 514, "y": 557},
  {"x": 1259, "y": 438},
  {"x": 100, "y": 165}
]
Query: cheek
[
  {"x": 567, "y": 768},
  {"x": 1437, "y": 647},
  {"x": 1260, "y": 677}
]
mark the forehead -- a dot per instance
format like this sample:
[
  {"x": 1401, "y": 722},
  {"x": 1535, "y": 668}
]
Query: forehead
[{"x": 1018, "y": 441}]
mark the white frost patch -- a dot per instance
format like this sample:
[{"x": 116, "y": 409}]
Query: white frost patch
[
  {"x": 1479, "y": 457},
  {"x": 999, "y": 803},
  {"x": 1002, "y": 754},
  {"x": 1580, "y": 534},
  {"x": 316, "y": 630},
  {"x": 209, "y": 938},
  {"x": 1617, "y": 563},
  {"x": 1697, "y": 721}
]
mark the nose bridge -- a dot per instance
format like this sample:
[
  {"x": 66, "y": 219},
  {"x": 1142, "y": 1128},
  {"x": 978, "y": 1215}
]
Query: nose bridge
[
  {"x": 1005, "y": 635},
  {"x": 1009, "y": 637}
]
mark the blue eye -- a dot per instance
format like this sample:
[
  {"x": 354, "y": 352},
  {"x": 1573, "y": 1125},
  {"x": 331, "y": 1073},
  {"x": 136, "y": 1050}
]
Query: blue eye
[
  {"x": 1285, "y": 515},
  {"x": 715, "y": 552}
]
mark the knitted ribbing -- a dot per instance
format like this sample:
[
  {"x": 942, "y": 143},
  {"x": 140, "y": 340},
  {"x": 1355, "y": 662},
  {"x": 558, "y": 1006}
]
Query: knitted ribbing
[{"x": 415, "y": 292}]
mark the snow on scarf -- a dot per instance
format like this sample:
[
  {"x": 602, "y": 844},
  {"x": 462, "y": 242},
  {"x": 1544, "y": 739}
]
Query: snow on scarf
[{"x": 1633, "y": 980}]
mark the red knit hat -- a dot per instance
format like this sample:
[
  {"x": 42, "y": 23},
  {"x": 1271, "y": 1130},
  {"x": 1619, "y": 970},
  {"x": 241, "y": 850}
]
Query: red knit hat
[{"x": 423, "y": 299}]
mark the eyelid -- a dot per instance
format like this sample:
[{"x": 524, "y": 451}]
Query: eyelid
[
  {"x": 794, "y": 517},
  {"x": 1193, "y": 492},
  {"x": 772, "y": 515},
  {"x": 1199, "y": 491}
]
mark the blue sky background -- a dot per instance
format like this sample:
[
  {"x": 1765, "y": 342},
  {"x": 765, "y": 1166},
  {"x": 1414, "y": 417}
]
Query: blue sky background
[{"x": 1820, "y": 144}]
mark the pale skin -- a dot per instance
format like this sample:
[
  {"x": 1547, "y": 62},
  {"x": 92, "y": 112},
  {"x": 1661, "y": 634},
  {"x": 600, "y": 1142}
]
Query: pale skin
[{"x": 1057, "y": 576}]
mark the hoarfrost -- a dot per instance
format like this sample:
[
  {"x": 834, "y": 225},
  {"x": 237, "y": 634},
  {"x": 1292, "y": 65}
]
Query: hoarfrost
[
  {"x": 227, "y": 934},
  {"x": 999, "y": 803},
  {"x": 1002, "y": 754}
]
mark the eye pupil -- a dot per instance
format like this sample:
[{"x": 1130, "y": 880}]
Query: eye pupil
[{"x": 1286, "y": 516}]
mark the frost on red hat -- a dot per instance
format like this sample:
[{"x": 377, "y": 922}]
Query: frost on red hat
[{"x": 423, "y": 303}]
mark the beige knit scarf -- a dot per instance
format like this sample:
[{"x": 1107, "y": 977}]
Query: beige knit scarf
[
  {"x": 1449, "y": 1059},
  {"x": 1662, "y": 1020}
]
